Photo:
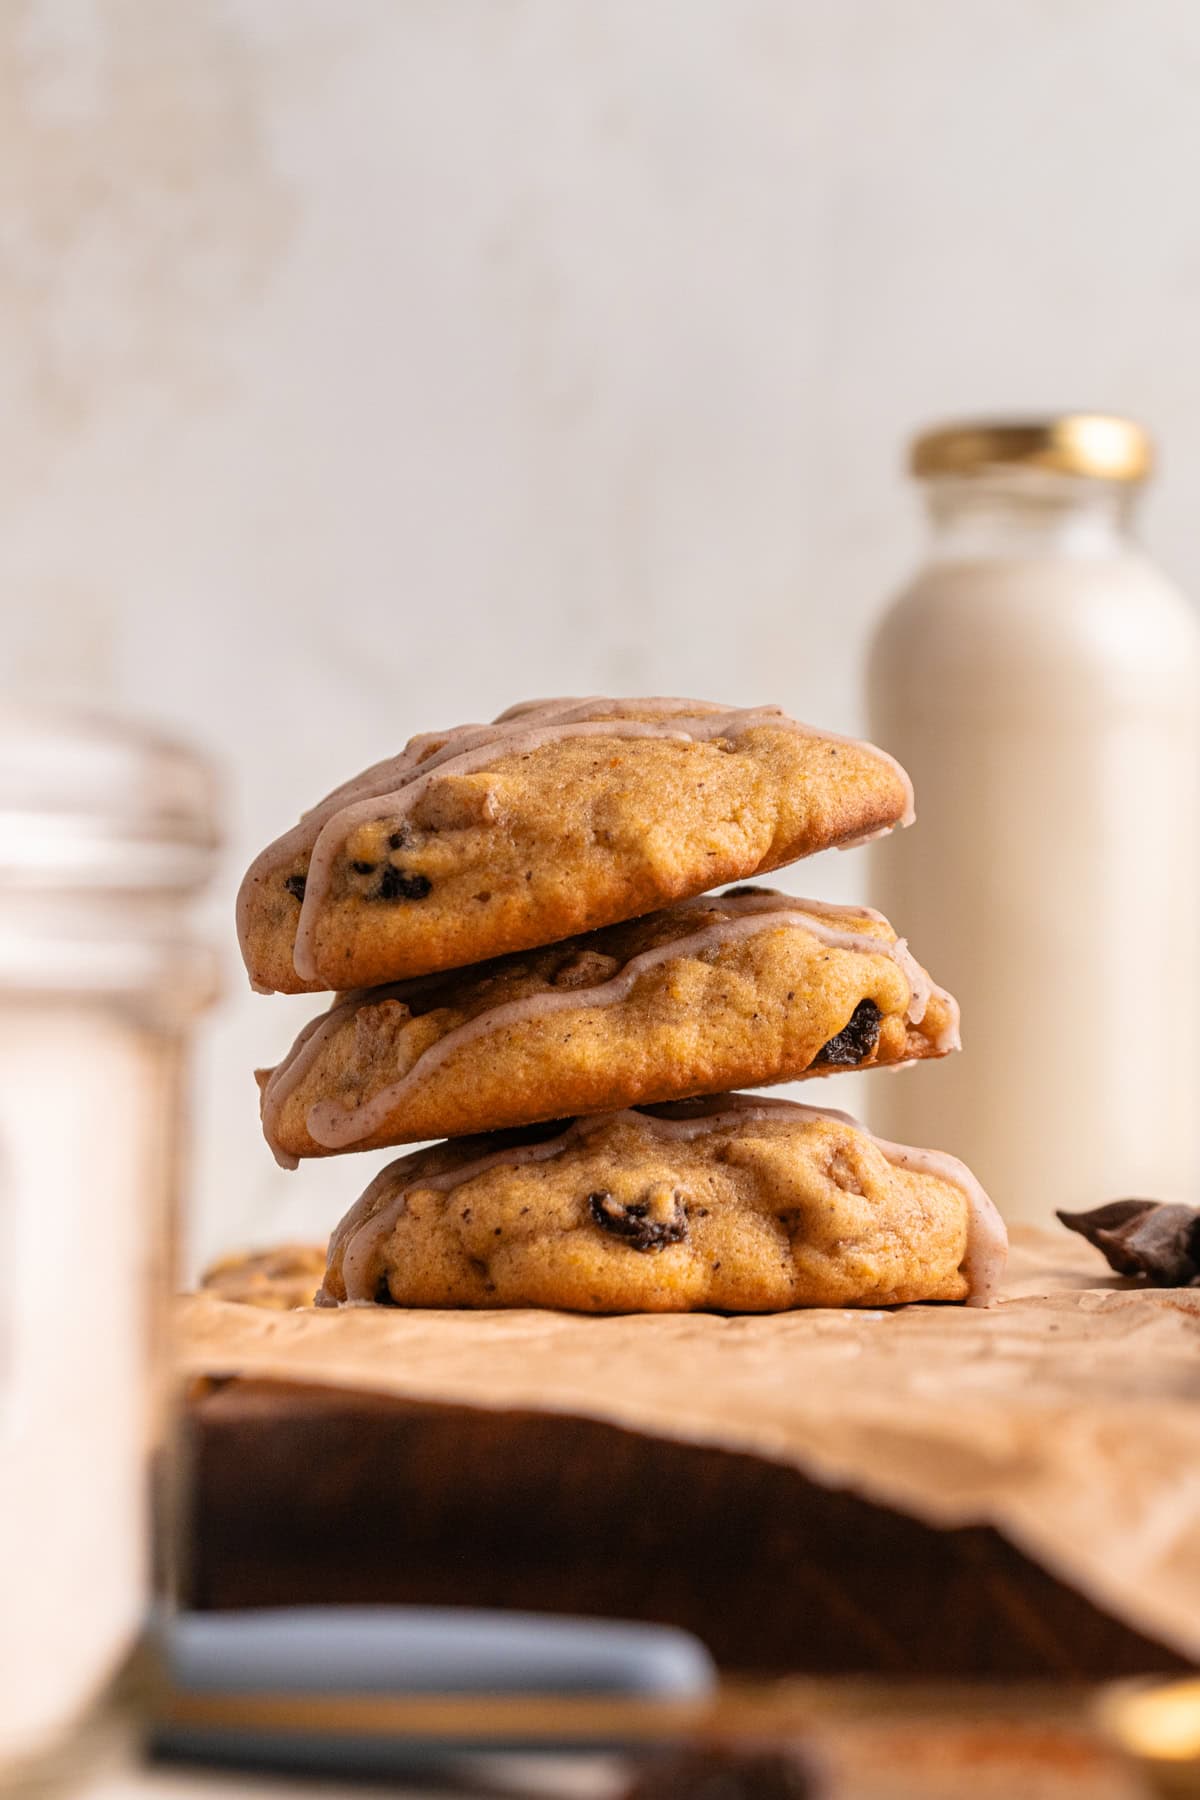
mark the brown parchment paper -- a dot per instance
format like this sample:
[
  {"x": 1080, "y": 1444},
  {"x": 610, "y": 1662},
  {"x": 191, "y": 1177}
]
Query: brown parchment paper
[{"x": 1067, "y": 1416}]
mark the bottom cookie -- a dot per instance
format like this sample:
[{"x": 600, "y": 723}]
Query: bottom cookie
[{"x": 732, "y": 1203}]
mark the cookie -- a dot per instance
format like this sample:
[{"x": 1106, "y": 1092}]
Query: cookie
[
  {"x": 733, "y": 1203},
  {"x": 560, "y": 817},
  {"x": 278, "y": 1279},
  {"x": 733, "y": 990}
]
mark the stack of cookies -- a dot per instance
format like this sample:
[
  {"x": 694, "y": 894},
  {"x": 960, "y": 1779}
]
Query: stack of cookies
[{"x": 527, "y": 962}]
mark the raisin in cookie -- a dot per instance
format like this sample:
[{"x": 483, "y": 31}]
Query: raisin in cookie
[
  {"x": 733, "y": 990},
  {"x": 559, "y": 817},
  {"x": 732, "y": 1203}
]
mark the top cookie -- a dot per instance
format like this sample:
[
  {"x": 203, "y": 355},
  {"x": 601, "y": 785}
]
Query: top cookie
[{"x": 561, "y": 816}]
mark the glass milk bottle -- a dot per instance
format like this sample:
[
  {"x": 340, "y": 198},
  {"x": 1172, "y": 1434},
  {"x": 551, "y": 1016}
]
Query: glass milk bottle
[
  {"x": 106, "y": 834},
  {"x": 1039, "y": 678}
]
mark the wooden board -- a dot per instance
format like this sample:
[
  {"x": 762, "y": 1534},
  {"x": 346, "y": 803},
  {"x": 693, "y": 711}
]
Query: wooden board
[{"x": 306, "y": 1494}]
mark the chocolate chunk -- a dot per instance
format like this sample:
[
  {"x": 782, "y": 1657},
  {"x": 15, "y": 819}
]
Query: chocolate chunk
[
  {"x": 855, "y": 1041},
  {"x": 1144, "y": 1237},
  {"x": 634, "y": 1224},
  {"x": 400, "y": 838},
  {"x": 720, "y": 1772},
  {"x": 398, "y": 884},
  {"x": 295, "y": 886},
  {"x": 363, "y": 868}
]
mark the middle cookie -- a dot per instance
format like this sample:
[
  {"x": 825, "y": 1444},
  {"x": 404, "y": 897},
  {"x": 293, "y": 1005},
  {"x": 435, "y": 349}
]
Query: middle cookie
[{"x": 734, "y": 990}]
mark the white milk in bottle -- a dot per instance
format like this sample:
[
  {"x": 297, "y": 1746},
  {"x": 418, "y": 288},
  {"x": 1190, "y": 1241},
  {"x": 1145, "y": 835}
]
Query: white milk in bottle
[{"x": 1040, "y": 680}]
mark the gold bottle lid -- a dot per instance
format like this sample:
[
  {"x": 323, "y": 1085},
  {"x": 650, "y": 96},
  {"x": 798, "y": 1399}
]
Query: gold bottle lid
[
  {"x": 1100, "y": 445},
  {"x": 1156, "y": 1725}
]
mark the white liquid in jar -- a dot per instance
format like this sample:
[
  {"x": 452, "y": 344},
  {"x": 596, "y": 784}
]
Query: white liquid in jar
[
  {"x": 108, "y": 835},
  {"x": 85, "y": 1102},
  {"x": 1047, "y": 708}
]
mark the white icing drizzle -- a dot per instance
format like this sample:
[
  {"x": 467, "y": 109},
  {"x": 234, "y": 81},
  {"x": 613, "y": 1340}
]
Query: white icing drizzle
[
  {"x": 987, "y": 1240},
  {"x": 361, "y": 1233},
  {"x": 390, "y": 789},
  {"x": 335, "y": 1126},
  {"x": 364, "y": 1238}
]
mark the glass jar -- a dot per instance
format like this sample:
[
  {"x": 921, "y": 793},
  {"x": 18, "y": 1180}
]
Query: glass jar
[
  {"x": 106, "y": 835},
  {"x": 1039, "y": 678}
]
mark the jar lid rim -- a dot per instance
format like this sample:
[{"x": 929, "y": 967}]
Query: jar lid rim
[
  {"x": 86, "y": 793},
  {"x": 1101, "y": 446}
]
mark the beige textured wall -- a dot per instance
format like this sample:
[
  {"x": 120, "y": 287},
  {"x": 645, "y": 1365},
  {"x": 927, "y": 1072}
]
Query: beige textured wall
[{"x": 366, "y": 364}]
